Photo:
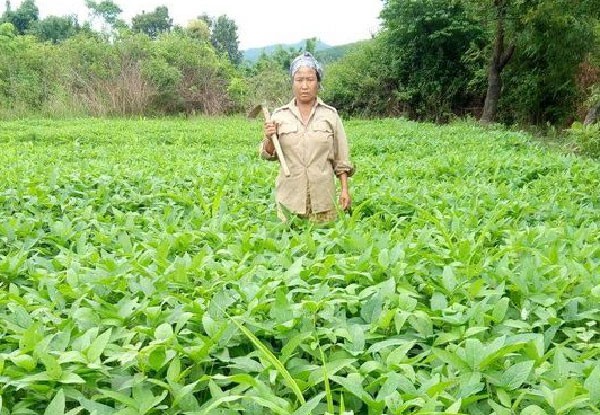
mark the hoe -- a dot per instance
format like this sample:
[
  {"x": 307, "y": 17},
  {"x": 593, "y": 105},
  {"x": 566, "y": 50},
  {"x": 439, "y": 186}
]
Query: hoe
[{"x": 252, "y": 114}]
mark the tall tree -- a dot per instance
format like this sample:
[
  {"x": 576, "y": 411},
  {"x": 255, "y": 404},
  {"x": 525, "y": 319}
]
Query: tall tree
[
  {"x": 199, "y": 29},
  {"x": 548, "y": 37},
  {"x": 311, "y": 45},
  {"x": 23, "y": 18},
  {"x": 593, "y": 113},
  {"x": 427, "y": 41},
  {"x": 152, "y": 23},
  {"x": 501, "y": 55},
  {"x": 224, "y": 38},
  {"x": 56, "y": 29},
  {"x": 107, "y": 10}
]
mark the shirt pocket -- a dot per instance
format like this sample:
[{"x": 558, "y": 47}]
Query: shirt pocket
[
  {"x": 288, "y": 135},
  {"x": 287, "y": 128},
  {"x": 322, "y": 129},
  {"x": 322, "y": 138}
]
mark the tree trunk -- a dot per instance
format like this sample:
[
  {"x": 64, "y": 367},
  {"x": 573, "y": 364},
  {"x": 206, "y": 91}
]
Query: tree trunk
[
  {"x": 500, "y": 58},
  {"x": 592, "y": 115}
]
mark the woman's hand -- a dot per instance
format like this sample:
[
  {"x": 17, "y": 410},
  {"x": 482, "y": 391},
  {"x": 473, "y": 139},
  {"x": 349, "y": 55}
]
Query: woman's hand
[
  {"x": 345, "y": 199},
  {"x": 269, "y": 129}
]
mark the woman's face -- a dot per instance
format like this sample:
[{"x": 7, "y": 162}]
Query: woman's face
[{"x": 305, "y": 85}]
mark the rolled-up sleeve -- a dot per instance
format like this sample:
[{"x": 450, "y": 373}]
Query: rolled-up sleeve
[{"x": 341, "y": 161}]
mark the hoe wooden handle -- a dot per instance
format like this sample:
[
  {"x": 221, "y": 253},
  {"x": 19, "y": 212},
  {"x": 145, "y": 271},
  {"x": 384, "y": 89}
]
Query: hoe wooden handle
[{"x": 284, "y": 166}]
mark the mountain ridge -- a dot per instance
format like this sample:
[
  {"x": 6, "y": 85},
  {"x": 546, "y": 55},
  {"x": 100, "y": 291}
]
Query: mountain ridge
[{"x": 252, "y": 54}]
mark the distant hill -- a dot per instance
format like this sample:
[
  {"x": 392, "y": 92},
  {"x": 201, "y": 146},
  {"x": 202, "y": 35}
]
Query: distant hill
[
  {"x": 252, "y": 54},
  {"x": 334, "y": 53}
]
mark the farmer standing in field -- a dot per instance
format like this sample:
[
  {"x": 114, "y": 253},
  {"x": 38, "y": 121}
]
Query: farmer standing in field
[{"x": 313, "y": 143}]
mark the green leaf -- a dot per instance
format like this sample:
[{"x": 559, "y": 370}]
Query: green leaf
[
  {"x": 120, "y": 397},
  {"x": 449, "y": 279},
  {"x": 398, "y": 355},
  {"x": 438, "y": 301},
  {"x": 384, "y": 258},
  {"x": 451, "y": 359},
  {"x": 394, "y": 382},
  {"x": 504, "y": 397},
  {"x": 157, "y": 358},
  {"x": 474, "y": 352},
  {"x": 30, "y": 337},
  {"x": 500, "y": 308},
  {"x": 421, "y": 322},
  {"x": 52, "y": 366},
  {"x": 308, "y": 407},
  {"x": 533, "y": 410},
  {"x": 98, "y": 345},
  {"x": 357, "y": 338},
  {"x": 24, "y": 361},
  {"x": 514, "y": 376},
  {"x": 281, "y": 310},
  {"x": 353, "y": 384},
  {"x": 292, "y": 344},
  {"x": 331, "y": 368},
  {"x": 163, "y": 332},
  {"x": 145, "y": 399},
  {"x": 71, "y": 377},
  {"x": 174, "y": 370},
  {"x": 454, "y": 408},
  {"x": 57, "y": 405},
  {"x": 470, "y": 384},
  {"x": 209, "y": 407},
  {"x": 592, "y": 385},
  {"x": 270, "y": 357}
]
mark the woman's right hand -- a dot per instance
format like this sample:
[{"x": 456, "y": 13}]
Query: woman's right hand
[{"x": 269, "y": 129}]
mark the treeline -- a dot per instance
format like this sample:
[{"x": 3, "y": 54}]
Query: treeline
[{"x": 511, "y": 61}]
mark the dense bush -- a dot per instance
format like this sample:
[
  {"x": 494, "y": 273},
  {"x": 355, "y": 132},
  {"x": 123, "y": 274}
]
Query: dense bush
[
  {"x": 427, "y": 45},
  {"x": 267, "y": 81},
  {"x": 131, "y": 75},
  {"x": 361, "y": 83},
  {"x": 586, "y": 139},
  {"x": 429, "y": 62},
  {"x": 27, "y": 72},
  {"x": 189, "y": 76},
  {"x": 540, "y": 81}
]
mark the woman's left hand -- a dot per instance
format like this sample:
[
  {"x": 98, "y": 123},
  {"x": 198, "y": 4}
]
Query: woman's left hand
[{"x": 345, "y": 200}]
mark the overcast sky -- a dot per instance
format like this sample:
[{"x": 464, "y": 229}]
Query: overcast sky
[{"x": 260, "y": 22}]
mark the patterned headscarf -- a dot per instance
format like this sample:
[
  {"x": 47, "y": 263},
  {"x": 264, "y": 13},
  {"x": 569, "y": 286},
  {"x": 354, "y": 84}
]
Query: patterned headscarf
[{"x": 307, "y": 60}]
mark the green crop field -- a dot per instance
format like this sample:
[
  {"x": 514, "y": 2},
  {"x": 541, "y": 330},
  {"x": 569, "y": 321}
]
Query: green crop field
[{"x": 143, "y": 271}]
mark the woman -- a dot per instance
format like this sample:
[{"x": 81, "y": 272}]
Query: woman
[{"x": 314, "y": 145}]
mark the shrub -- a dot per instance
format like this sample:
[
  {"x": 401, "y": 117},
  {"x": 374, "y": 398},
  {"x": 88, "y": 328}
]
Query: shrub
[{"x": 586, "y": 139}]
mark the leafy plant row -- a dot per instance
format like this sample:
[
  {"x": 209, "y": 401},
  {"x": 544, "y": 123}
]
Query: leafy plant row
[{"x": 143, "y": 271}]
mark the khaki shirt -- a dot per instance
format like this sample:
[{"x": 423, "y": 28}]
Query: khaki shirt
[{"x": 315, "y": 153}]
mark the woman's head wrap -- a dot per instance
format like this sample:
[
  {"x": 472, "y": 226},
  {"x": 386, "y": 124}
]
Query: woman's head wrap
[{"x": 307, "y": 60}]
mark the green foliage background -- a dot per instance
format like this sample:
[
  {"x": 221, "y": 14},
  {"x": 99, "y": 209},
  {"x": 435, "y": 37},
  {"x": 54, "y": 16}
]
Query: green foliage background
[{"x": 429, "y": 62}]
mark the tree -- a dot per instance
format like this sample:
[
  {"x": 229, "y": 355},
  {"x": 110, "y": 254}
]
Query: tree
[
  {"x": 225, "y": 39},
  {"x": 427, "y": 42},
  {"x": 153, "y": 23},
  {"x": 501, "y": 55},
  {"x": 106, "y": 10},
  {"x": 544, "y": 41},
  {"x": 362, "y": 82},
  {"x": 23, "y": 18},
  {"x": 593, "y": 66},
  {"x": 56, "y": 29},
  {"x": 199, "y": 29},
  {"x": 311, "y": 45}
]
